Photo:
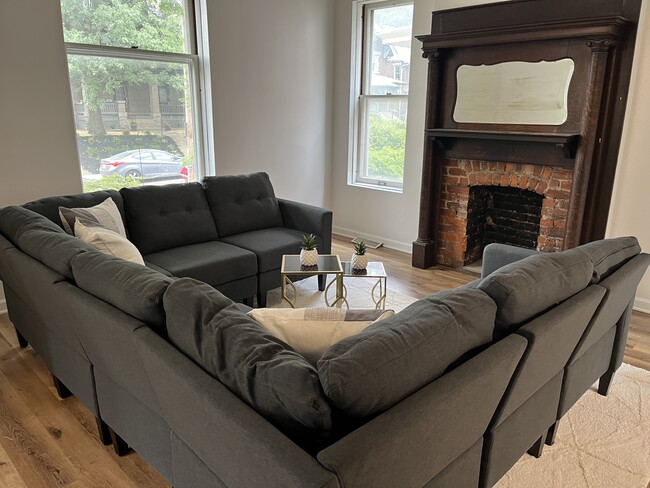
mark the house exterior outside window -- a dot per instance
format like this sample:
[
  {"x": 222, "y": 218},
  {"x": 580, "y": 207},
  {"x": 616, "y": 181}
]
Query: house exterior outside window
[
  {"x": 381, "y": 68},
  {"x": 134, "y": 78}
]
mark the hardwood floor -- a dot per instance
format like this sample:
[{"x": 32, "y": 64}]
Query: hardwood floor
[{"x": 49, "y": 442}]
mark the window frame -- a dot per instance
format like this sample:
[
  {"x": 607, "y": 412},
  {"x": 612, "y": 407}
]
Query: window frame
[
  {"x": 196, "y": 44},
  {"x": 361, "y": 70}
]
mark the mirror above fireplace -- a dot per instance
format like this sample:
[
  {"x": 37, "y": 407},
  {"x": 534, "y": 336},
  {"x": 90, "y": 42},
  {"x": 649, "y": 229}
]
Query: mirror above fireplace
[{"x": 514, "y": 92}]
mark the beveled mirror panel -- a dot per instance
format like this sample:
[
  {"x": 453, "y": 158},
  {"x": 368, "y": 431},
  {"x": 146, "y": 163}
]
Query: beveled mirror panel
[{"x": 514, "y": 93}]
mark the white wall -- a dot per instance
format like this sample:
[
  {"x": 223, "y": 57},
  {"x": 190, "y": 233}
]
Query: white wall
[
  {"x": 39, "y": 154},
  {"x": 630, "y": 211},
  {"x": 37, "y": 135},
  {"x": 385, "y": 216},
  {"x": 271, "y": 69}
]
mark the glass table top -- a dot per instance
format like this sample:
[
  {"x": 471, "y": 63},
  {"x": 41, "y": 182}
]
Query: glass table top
[
  {"x": 327, "y": 263},
  {"x": 375, "y": 269}
]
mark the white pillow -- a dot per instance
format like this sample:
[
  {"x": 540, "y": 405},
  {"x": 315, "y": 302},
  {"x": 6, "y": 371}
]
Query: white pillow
[
  {"x": 108, "y": 242},
  {"x": 310, "y": 331},
  {"x": 106, "y": 215}
]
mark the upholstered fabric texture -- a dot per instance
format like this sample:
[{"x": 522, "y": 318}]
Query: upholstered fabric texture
[
  {"x": 310, "y": 331},
  {"x": 105, "y": 215},
  {"x": 132, "y": 288},
  {"x": 608, "y": 255},
  {"x": 242, "y": 203},
  {"x": 389, "y": 360},
  {"x": 15, "y": 221},
  {"x": 261, "y": 369},
  {"x": 526, "y": 288},
  {"x": 108, "y": 242},
  {"x": 49, "y": 207},
  {"x": 56, "y": 250},
  {"x": 163, "y": 217}
]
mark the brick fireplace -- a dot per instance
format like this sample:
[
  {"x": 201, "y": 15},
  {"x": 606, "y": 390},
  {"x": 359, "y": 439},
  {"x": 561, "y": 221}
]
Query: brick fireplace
[{"x": 465, "y": 181}]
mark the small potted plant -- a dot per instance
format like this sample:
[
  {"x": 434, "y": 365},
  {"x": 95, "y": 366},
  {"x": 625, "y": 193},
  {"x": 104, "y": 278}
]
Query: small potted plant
[
  {"x": 359, "y": 259},
  {"x": 308, "y": 251}
]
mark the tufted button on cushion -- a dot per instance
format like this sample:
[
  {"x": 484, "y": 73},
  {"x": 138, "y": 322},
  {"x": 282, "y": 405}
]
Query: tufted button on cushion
[{"x": 242, "y": 203}]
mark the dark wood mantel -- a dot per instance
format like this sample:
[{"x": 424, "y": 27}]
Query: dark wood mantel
[{"x": 599, "y": 38}]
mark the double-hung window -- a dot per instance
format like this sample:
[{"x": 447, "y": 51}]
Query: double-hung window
[
  {"x": 134, "y": 78},
  {"x": 381, "y": 67}
]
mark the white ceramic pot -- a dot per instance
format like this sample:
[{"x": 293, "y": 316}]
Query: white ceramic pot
[
  {"x": 359, "y": 261},
  {"x": 308, "y": 258}
]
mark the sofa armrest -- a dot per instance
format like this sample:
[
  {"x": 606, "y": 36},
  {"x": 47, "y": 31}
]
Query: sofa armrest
[
  {"x": 414, "y": 441},
  {"x": 309, "y": 219},
  {"x": 496, "y": 256}
]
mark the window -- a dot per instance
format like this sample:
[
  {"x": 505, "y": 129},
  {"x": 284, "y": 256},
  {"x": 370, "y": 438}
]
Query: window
[
  {"x": 134, "y": 80},
  {"x": 381, "y": 67}
]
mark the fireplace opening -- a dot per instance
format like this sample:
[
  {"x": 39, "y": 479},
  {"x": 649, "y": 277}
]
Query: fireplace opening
[{"x": 505, "y": 215}]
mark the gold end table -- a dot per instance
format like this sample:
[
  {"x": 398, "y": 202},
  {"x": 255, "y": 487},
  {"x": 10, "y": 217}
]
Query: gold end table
[
  {"x": 374, "y": 270},
  {"x": 327, "y": 264}
]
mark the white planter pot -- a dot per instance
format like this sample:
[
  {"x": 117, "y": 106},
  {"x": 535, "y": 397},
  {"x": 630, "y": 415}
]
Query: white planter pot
[
  {"x": 359, "y": 261},
  {"x": 308, "y": 258}
]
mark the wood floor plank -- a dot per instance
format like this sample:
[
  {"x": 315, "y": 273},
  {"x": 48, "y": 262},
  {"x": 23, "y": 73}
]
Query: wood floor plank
[{"x": 9, "y": 476}]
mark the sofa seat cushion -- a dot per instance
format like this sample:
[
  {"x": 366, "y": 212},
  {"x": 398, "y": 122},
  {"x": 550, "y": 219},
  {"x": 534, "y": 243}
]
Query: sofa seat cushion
[
  {"x": 212, "y": 262},
  {"x": 241, "y": 203},
  {"x": 608, "y": 255},
  {"x": 526, "y": 288},
  {"x": 391, "y": 359},
  {"x": 130, "y": 287},
  {"x": 164, "y": 217},
  {"x": 49, "y": 207},
  {"x": 56, "y": 250},
  {"x": 252, "y": 363},
  {"x": 268, "y": 245},
  {"x": 15, "y": 221}
]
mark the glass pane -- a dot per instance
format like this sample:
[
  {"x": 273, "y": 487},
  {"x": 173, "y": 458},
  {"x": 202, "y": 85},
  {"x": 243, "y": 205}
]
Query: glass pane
[
  {"x": 156, "y": 25},
  {"x": 127, "y": 136},
  {"x": 390, "y": 57},
  {"x": 386, "y": 136}
]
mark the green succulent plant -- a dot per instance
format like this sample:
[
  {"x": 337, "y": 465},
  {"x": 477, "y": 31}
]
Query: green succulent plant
[
  {"x": 360, "y": 248},
  {"x": 308, "y": 242}
]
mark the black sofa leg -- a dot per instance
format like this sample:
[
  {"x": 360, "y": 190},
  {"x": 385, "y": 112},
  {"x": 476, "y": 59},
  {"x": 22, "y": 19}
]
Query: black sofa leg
[
  {"x": 22, "y": 342},
  {"x": 322, "y": 281},
  {"x": 538, "y": 447},
  {"x": 604, "y": 382},
  {"x": 104, "y": 432},
  {"x": 261, "y": 300},
  {"x": 120, "y": 447},
  {"x": 61, "y": 389},
  {"x": 552, "y": 432}
]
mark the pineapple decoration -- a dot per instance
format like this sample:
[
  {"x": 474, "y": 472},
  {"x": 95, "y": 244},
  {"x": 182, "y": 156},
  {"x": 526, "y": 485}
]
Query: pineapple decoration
[
  {"x": 308, "y": 251},
  {"x": 359, "y": 259}
]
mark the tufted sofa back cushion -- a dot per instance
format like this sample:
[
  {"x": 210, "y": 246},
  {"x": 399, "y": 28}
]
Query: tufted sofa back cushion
[
  {"x": 49, "y": 207},
  {"x": 164, "y": 217},
  {"x": 242, "y": 203}
]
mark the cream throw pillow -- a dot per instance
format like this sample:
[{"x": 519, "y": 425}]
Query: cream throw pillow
[
  {"x": 106, "y": 215},
  {"x": 310, "y": 331},
  {"x": 108, "y": 242}
]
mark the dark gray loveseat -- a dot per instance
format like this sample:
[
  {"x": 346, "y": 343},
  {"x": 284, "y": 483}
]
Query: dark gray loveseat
[{"x": 449, "y": 392}]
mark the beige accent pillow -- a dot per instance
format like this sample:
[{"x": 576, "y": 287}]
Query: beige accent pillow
[
  {"x": 108, "y": 242},
  {"x": 106, "y": 215},
  {"x": 310, "y": 331}
]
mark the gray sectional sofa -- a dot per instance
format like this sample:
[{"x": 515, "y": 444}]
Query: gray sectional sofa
[{"x": 450, "y": 391}]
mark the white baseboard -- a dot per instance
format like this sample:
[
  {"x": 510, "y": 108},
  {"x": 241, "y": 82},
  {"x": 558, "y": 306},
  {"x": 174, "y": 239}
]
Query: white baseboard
[
  {"x": 389, "y": 243},
  {"x": 3, "y": 307},
  {"x": 642, "y": 305}
]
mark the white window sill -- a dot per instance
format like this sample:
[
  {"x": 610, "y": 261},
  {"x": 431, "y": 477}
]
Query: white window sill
[{"x": 370, "y": 186}]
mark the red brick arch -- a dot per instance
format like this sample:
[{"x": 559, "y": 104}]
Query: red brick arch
[{"x": 554, "y": 183}]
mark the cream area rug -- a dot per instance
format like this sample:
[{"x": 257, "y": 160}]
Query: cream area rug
[
  {"x": 603, "y": 442},
  {"x": 358, "y": 294}
]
